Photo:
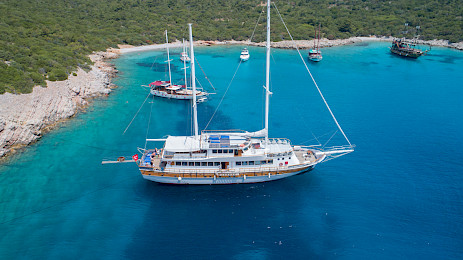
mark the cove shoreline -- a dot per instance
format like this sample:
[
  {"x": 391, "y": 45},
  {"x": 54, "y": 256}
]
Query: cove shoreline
[{"x": 25, "y": 118}]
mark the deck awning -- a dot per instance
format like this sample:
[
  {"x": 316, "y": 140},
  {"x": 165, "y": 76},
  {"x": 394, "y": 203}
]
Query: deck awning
[
  {"x": 174, "y": 87},
  {"x": 182, "y": 144}
]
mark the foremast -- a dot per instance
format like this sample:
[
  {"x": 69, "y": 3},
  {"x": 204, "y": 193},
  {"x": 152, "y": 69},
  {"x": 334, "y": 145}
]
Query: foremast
[
  {"x": 193, "y": 84},
  {"x": 267, "y": 74},
  {"x": 168, "y": 59}
]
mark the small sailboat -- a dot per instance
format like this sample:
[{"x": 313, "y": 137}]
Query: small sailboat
[
  {"x": 315, "y": 54},
  {"x": 231, "y": 156},
  {"x": 166, "y": 89},
  {"x": 244, "y": 54},
  {"x": 184, "y": 55}
]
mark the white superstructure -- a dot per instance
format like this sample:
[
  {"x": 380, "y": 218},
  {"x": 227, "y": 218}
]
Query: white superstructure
[{"x": 244, "y": 56}]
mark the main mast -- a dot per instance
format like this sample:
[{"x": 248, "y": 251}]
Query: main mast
[
  {"x": 168, "y": 59},
  {"x": 267, "y": 73},
  {"x": 193, "y": 83}
]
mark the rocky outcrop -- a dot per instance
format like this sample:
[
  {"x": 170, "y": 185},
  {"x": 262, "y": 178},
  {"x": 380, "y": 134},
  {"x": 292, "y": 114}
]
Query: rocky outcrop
[{"x": 23, "y": 117}]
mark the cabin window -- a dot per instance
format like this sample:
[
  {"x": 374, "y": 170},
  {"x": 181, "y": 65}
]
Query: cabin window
[
  {"x": 238, "y": 163},
  {"x": 220, "y": 151},
  {"x": 216, "y": 163},
  {"x": 284, "y": 154},
  {"x": 197, "y": 163},
  {"x": 210, "y": 164},
  {"x": 184, "y": 163},
  {"x": 214, "y": 151},
  {"x": 290, "y": 153},
  {"x": 230, "y": 151},
  {"x": 178, "y": 163},
  {"x": 191, "y": 164},
  {"x": 270, "y": 161},
  {"x": 245, "y": 163},
  {"x": 257, "y": 162},
  {"x": 204, "y": 164},
  {"x": 289, "y": 158},
  {"x": 251, "y": 163}
]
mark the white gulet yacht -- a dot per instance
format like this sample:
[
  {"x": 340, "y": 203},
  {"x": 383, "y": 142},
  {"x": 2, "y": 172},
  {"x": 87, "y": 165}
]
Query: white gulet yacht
[
  {"x": 229, "y": 157},
  {"x": 184, "y": 55},
  {"x": 166, "y": 89}
]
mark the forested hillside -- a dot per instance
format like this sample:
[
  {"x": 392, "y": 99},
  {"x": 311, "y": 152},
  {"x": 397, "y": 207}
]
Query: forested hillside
[{"x": 48, "y": 39}]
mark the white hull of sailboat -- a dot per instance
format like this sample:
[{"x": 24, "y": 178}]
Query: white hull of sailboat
[
  {"x": 244, "y": 57},
  {"x": 174, "y": 96},
  {"x": 185, "y": 59}
]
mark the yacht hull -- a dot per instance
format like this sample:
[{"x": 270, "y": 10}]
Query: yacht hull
[
  {"x": 226, "y": 178},
  {"x": 173, "y": 96}
]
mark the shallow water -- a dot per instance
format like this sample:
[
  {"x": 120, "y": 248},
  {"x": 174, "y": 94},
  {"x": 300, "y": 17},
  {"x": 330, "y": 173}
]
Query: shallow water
[{"x": 398, "y": 195}]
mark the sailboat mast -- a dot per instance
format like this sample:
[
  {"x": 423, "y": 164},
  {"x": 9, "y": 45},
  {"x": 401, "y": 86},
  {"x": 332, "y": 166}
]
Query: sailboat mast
[
  {"x": 318, "y": 42},
  {"x": 193, "y": 84},
  {"x": 184, "y": 65},
  {"x": 267, "y": 73},
  {"x": 183, "y": 43},
  {"x": 168, "y": 59},
  {"x": 315, "y": 39}
]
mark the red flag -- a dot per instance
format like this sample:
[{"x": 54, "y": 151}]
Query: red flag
[{"x": 135, "y": 157}]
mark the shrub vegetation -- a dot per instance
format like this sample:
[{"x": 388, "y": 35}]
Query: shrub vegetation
[{"x": 49, "y": 39}]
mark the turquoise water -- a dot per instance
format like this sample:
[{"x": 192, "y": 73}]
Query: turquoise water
[{"x": 399, "y": 195}]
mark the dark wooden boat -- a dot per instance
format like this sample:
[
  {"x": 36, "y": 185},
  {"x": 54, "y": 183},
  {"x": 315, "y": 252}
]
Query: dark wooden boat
[{"x": 406, "y": 49}]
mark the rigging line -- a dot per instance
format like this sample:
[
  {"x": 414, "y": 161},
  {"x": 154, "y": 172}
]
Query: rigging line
[
  {"x": 65, "y": 201},
  {"x": 152, "y": 64},
  {"x": 255, "y": 27},
  {"x": 229, "y": 84},
  {"x": 202, "y": 88},
  {"x": 149, "y": 122},
  {"x": 311, "y": 76},
  {"x": 204, "y": 73},
  {"x": 323, "y": 146},
  {"x": 316, "y": 138},
  {"x": 137, "y": 113}
]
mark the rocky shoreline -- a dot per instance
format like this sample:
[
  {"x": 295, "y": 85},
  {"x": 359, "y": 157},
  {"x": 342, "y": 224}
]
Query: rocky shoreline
[
  {"x": 301, "y": 44},
  {"x": 24, "y": 117}
]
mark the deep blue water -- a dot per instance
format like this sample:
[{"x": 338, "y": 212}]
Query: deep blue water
[{"x": 399, "y": 195}]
